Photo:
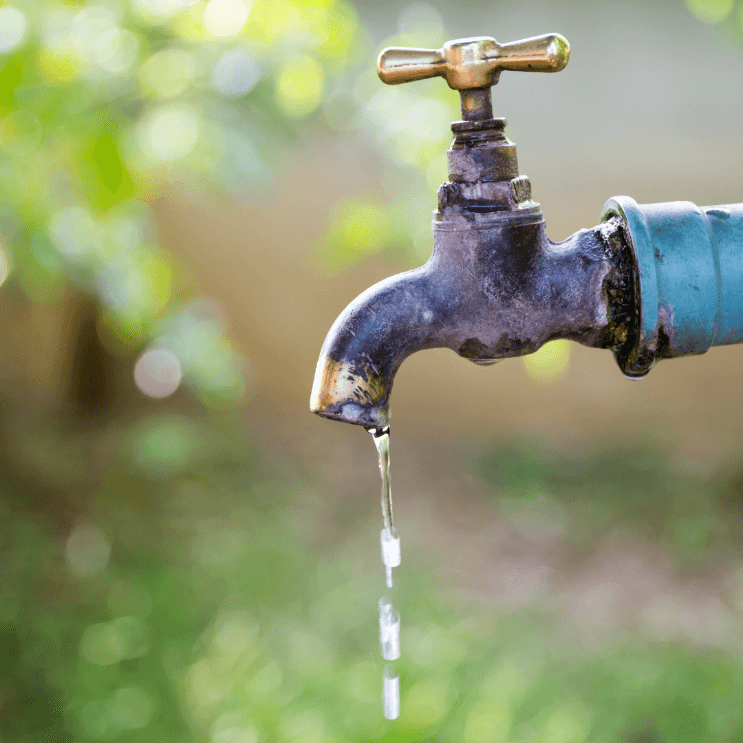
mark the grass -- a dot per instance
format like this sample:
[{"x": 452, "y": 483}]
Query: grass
[{"x": 198, "y": 604}]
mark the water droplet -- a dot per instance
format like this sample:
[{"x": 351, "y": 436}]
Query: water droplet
[
  {"x": 390, "y": 693},
  {"x": 389, "y": 630},
  {"x": 390, "y": 552}
]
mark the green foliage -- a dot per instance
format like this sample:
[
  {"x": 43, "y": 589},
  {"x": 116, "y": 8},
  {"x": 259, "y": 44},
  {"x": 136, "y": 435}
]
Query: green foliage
[
  {"x": 101, "y": 103},
  {"x": 687, "y": 513},
  {"x": 711, "y": 11},
  {"x": 206, "y": 607},
  {"x": 106, "y": 178},
  {"x": 359, "y": 230},
  {"x": 725, "y": 15}
]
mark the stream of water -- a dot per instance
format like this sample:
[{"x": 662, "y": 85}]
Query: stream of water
[{"x": 389, "y": 618}]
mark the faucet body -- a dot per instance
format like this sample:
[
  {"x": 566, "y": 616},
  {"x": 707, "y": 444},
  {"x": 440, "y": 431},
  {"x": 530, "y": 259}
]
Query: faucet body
[
  {"x": 495, "y": 285},
  {"x": 649, "y": 282}
]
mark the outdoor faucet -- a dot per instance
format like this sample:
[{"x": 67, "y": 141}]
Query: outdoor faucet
[{"x": 651, "y": 281}]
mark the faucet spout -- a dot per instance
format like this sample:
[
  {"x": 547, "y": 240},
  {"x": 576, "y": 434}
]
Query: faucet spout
[
  {"x": 367, "y": 344},
  {"x": 495, "y": 287}
]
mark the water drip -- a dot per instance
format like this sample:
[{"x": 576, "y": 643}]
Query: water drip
[
  {"x": 389, "y": 630},
  {"x": 389, "y": 619},
  {"x": 382, "y": 442},
  {"x": 390, "y": 693},
  {"x": 390, "y": 552}
]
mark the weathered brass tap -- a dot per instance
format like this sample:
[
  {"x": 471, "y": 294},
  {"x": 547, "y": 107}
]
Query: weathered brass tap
[{"x": 646, "y": 283}]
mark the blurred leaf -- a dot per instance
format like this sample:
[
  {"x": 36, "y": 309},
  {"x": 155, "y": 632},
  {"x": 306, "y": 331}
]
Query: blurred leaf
[
  {"x": 359, "y": 230},
  {"x": 299, "y": 86},
  {"x": 107, "y": 180},
  {"x": 12, "y": 75}
]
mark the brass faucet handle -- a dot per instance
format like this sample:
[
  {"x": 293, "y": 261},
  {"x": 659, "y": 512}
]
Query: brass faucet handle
[{"x": 468, "y": 64}]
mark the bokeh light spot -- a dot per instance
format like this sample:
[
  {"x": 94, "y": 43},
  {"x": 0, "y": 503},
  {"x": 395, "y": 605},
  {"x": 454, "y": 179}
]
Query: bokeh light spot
[
  {"x": 420, "y": 19},
  {"x": 168, "y": 73},
  {"x": 299, "y": 85},
  {"x": 87, "y": 551},
  {"x": 567, "y": 724},
  {"x": 74, "y": 232},
  {"x": 342, "y": 111},
  {"x": 359, "y": 230},
  {"x": 161, "y": 9},
  {"x": 169, "y": 133},
  {"x": 488, "y": 722},
  {"x": 710, "y": 11},
  {"x": 426, "y": 703},
  {"x": 308, "y": 727},
  {"x": 217, "y": 543},
  {"x": 117, "y": 50},
  {"x": 13, "y": 28},
  {"x": 550, "y": 362},
  {"x": 234, "y": 727},
  {"x": 205, "y": 684},
  {"x": 225, "y": 18},
  {"x": 267, "y": 680},
  {"x": 134, "y": 636},
  {"x": 89, "y": 28},
  {"x": 58, "y": 67},
  {"x": 158, "y": 373},
  {"x": 96, "y": 722},
  {"x": 164, "y": 445},
  {"x": 235, "y": 73},
  {"x": 102, "y": 645},
  {"x": 235, "y": 632},
  {"x": 133, "y": 707}
]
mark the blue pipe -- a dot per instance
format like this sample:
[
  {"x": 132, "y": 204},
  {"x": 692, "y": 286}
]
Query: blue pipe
[{"x": 688, "y": 278}]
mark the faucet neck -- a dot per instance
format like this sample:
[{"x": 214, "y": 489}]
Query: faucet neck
[
  {"x": 483, "y": 175},
  {"x": 476, "y": 104},
  {"x": 481, "y": 152}
]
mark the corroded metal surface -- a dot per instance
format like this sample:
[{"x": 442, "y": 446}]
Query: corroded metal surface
[
  {"x": 495, "y": 286},
  {"x": 688, "y": 270},
  {"x": 354, "y": 385}
]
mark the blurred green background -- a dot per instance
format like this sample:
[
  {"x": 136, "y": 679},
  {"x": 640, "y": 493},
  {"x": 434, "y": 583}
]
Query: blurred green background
[{"x": 190, "y": 192}]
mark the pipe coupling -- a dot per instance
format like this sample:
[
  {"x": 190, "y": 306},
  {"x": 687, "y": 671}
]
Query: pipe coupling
[{"x": 688, "y": 279}]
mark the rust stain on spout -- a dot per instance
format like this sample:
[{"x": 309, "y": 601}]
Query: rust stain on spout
[{"x": 344, "y": 389}]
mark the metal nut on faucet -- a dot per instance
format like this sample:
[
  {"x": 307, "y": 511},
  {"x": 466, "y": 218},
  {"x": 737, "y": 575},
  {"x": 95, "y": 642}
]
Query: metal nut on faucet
[{"x": 448, "y": 194}]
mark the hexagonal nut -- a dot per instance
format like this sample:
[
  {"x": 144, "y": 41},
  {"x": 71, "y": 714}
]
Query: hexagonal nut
[
  {"x": 520, "y": 189},
  {"x": 448, "y": 194}
]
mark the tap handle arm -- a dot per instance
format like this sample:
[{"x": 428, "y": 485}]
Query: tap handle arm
[
  {"x": 468, "y": 64},
  {"x": 403, "y": 65}
]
